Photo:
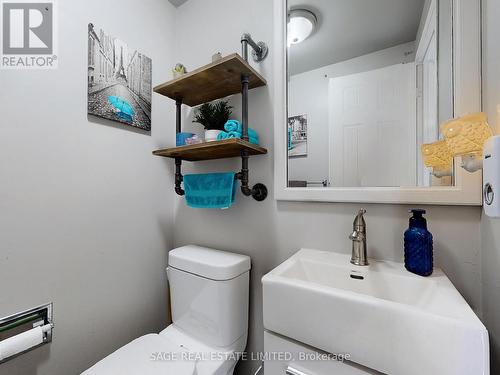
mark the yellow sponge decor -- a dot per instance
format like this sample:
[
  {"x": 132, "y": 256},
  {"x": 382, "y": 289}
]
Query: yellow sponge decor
[
  {"x": 436, "y": 154},
  {"x": 466, "y": 134}
]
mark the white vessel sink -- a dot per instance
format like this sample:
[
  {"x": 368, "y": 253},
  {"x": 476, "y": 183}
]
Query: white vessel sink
[{"x": 386, "y": 318}]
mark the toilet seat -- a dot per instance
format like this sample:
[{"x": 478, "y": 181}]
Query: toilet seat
[{"x": 171, "y": 352}]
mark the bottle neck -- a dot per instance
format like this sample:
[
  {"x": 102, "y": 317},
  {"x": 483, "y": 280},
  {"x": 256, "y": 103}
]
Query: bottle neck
[{"x": 418, "y": 222}]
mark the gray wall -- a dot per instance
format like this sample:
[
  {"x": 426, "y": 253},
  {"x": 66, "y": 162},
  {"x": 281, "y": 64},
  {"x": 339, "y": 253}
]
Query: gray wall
[
  {"x": 490, "y": 228},
  {"x": 271, "y": 231},
  {"x": 86, "y": 210}
]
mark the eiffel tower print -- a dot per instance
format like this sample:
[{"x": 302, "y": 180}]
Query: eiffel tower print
[
  {"x": 120, "y": 72},
  {"x": 118, "y": 80}
]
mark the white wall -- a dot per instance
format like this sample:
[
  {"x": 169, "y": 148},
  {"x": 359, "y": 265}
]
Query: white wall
[
  {"x": 271, "y": 231},
  {"x": 308, "y": 94},
  {"x": 86, "y": 210},
  {"x": 490, "y": 228}
]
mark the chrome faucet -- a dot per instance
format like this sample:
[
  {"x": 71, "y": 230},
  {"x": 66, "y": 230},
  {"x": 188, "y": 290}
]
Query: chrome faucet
[{"x": 358, "y": 237}]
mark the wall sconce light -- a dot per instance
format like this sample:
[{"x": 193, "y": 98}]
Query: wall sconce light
[
  {"x": 438, "y": 157},
  {"x": 465, "y": 137}
]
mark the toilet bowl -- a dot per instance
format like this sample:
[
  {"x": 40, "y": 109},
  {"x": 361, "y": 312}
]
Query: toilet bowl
[{"x": 209, "y": 301}]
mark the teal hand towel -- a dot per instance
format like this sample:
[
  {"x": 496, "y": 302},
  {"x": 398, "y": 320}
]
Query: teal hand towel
[
  {"x": 251, "y": 138},
  {"x": 229, "y": 135},
  {"x": 235, "y": 126},
  {"x": 210, "y": 190},
  {"x": 222, "y": 135}
]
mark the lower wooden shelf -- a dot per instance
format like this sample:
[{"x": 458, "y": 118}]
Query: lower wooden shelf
[{"x": 227, "y": 148}]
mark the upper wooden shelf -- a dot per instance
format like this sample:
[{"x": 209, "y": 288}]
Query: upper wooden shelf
[
  {"x": 226, "y": 148},
  {"x": 213, "y": 81}
]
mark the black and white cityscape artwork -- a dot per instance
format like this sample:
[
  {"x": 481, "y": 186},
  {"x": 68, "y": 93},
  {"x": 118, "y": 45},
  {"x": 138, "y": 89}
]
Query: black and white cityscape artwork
[
  {"x": 297, "y": 136},
  {"x": 119, "y": 81}
]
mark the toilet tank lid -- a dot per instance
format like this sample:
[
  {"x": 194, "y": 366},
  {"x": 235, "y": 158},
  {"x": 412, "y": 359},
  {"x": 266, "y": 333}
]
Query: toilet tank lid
[{"x": 210, "y": 263}]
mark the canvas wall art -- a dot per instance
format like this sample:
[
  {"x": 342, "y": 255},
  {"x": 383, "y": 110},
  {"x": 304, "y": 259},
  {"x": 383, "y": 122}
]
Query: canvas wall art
[
  {"x": 297, "y": 136},
  {"x": 119, "y": 80}
]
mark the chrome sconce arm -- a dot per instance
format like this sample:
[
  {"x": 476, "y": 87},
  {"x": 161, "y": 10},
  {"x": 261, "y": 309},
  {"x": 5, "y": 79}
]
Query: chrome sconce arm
[{"x": 259, "y": 49}]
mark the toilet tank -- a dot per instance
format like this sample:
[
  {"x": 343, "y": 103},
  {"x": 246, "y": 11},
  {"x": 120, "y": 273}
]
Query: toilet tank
[{"x": 209, "y": 294}]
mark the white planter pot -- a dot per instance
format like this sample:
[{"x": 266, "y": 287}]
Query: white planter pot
[{"x": 211, "y": 135}]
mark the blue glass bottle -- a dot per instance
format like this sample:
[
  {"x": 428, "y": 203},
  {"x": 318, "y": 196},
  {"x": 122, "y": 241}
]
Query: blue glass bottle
[{"x": 418, "y": 245}]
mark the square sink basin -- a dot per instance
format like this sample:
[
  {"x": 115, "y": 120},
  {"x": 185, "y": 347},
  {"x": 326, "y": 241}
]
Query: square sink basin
[{"x": 383, "y": 316}]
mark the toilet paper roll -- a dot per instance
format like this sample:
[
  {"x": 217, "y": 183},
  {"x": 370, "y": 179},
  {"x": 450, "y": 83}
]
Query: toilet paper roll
[{"x": 19, "y": 343}]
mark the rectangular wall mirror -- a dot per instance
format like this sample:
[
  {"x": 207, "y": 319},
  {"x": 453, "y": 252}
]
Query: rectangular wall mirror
[{"x": 363, "y": 84}]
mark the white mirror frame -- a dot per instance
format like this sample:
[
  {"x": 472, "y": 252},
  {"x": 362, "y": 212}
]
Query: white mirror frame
[{"x": 467, "y": 99}]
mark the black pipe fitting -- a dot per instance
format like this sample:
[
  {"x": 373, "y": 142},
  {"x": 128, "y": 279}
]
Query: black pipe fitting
[{"x": 178, "y": 177}]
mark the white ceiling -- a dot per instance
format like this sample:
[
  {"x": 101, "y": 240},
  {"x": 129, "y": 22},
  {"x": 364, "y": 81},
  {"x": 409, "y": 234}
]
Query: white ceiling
[
  {"x": 177, "y": 3},
  {"x": 352, "y": 28}
]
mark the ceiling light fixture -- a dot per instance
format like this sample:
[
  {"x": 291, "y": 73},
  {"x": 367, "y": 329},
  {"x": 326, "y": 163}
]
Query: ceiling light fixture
[{"x": 301, "y": 24}]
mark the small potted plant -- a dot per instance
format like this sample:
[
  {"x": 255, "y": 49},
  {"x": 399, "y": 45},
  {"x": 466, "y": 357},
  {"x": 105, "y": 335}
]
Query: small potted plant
[
  {"x": 213, "y": 116},
  {"x": 179, "y": 70}
]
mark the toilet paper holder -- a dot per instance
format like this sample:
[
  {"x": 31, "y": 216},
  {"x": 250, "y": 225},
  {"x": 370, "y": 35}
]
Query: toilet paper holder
[{"x": 24, "y": 321}]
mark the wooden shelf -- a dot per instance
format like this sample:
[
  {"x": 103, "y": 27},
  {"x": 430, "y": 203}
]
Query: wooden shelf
[
  {"x": 213, "y": 81},
  {"x": 226, "y": 148}
]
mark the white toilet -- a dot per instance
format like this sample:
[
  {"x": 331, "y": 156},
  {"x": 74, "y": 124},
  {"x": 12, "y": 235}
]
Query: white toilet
[{"x": 209, "y": 299}]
